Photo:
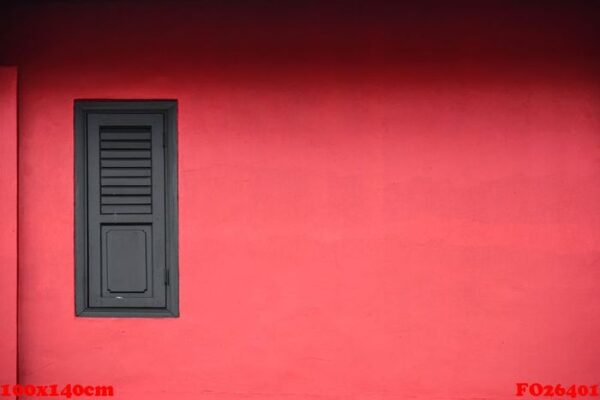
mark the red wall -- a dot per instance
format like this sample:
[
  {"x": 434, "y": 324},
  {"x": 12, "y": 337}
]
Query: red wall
[
  {"x": 376, "y": 201},
  {"x": 8, "y": 224}
]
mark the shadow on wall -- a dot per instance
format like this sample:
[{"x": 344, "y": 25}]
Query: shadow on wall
[{"x": 267, "y": 40}]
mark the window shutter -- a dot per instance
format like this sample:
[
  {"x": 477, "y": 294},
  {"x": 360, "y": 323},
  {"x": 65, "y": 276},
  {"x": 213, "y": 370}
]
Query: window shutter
[{"x": 125, "y": 212}]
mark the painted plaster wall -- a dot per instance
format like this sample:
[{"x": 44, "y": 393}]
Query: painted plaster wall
[
  {"x": 8, "y": 224},
  {"x": 376, "y": 201}
]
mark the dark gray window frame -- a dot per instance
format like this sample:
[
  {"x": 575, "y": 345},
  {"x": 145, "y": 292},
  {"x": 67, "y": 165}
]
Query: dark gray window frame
[{"x": 168, "y": 108}]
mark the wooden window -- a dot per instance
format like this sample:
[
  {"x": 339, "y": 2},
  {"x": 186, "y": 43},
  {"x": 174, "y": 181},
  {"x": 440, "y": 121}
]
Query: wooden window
[{"x": 126, "y": 208}]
